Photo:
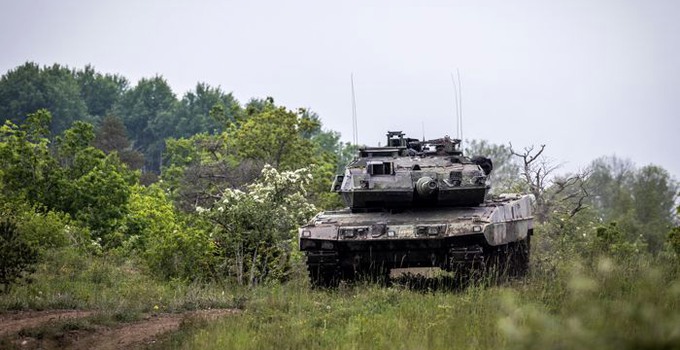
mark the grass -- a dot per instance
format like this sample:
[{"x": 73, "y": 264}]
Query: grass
[
  {"x": 604, "y": 304},
  {"x": 120, "y": 287},
  {"x": 594, "y": 302}
]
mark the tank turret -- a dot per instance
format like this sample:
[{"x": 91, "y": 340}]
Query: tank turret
[{"x": 410, "y": 173}]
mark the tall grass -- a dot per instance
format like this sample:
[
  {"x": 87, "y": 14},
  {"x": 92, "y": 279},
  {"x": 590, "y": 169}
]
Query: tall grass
[
  {"x": 598, "y": 303},
  {"x": 68, "y": 279},
  {"x": 567, "y": 302}
]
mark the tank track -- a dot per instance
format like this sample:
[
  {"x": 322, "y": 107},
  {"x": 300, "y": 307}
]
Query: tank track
[
  {"x": 477, "y": 261},
  {"x": 324, "y": 269},
  {"x": 472, "y": 262}
]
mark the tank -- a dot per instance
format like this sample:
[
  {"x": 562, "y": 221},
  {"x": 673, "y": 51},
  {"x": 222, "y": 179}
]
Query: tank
[{"x": 417, "y": 204}]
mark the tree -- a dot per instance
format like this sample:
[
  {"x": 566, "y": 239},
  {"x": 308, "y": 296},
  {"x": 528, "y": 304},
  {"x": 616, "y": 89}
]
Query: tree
[
  {"x": 641, "y": 201},
  {"x": 197, "y": 169},
  {"x": 73, "y": 177},
  {"x": 95, "y": 191},
  {"x": 610, "y": 183},
  {"x": 148, "y": 113},
  {"x": 28, "y": 88},
  {"x": 205, "y": 110},
  {"x": 565, "y": 194},
  {"x": 27, "y": 169},
  {"x": 654, "y": 194},
  {"x": 112, "y": 137},
  {"x": 275, "y": 136},
  {"x": 99, "y": 92}
]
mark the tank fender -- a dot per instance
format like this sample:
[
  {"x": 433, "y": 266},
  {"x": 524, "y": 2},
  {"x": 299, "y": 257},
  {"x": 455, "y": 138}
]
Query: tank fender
[{"x": 507, "y": 232}]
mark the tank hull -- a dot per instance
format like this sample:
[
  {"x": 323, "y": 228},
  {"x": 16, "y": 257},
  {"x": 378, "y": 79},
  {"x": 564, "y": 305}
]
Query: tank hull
[{"x": 342, "y": 244}]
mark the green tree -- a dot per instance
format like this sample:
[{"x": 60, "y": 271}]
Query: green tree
[
  {"x": 640, "y": 200},
  {"x": 95, "y": 191},
  {"x": 99, "y": 92},
  {"x": 148, "y": 112},
  {"x": 275, "y": 136},
  {"x": 28, "y": 88},
  {"x": 27, "y": 169},
  {"x": 198, "y": 168},
  {"x": 610, "y": 183},
  {"x": 111, "y": 136},
  {"x": 654, "y": 193},
  {"x": 72, "y": 177},
  {"x": 205, "y": 110}
]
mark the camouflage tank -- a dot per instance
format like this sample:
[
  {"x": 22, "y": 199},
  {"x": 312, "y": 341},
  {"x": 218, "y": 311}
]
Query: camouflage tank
[{"x": 417, "y": 204}]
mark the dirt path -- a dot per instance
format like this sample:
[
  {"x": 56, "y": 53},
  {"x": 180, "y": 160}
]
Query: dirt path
[
  {"x": 14, "y": 322},
  {"x": 125, "y": 335}
]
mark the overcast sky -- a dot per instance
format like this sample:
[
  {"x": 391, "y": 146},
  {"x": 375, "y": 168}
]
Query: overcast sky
[{"x": 588, "y": 78}]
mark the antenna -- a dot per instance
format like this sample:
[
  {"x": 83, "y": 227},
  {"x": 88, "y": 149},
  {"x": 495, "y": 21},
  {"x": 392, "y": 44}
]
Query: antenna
[
  {"x": 423, "y": 124},
  {"x": 460, "y": 104},
  {"x": 355, "y": 133},
  {"x": 455, "y": 101},
  {"x": 458, "y": 101}
]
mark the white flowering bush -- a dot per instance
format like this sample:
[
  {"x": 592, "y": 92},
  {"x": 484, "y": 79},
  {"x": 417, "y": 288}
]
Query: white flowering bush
[{"x": 255, "y": 227}]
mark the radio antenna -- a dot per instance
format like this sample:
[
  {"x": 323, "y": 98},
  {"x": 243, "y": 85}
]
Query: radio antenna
[
  {"x": 355, "y": 133},
  {"x": 456, "y": 105},
  {"x": 460, "y": 104}
]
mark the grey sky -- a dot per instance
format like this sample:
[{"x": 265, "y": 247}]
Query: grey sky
[{"x": 588, "y": 78}]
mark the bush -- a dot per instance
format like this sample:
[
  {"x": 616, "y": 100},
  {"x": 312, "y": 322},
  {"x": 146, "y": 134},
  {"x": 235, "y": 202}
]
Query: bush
[
  {"x": 610, "y": 240},
  {"x": 674, "y": 240},
  {"x": 254, "y": 229},
  {"x": 18, "y": 256},
  {"x": 172, "y": 246}
]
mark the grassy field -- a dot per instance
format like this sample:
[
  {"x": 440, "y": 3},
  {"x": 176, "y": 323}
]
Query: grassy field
[
  {"x": 599, "y": 302},
  {"x": 116, "y": 286},
  {"x": 606, "y": 304}
]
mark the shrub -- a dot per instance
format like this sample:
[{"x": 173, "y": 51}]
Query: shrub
[
  {"x": 18, "y": 256},
  {"x": 254, "y": 229}
]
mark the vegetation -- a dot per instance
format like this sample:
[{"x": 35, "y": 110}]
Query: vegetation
[
  {"x": 130, "y": 200},
  {"x": 601, "y": 305}
]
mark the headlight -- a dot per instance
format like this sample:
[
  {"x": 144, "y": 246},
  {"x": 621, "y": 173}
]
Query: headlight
[
  {"x": 347, "y": 233},
  {"x": 307, "y": 244},
  {"x": 430, "y": 230},
  {"x": 351, "y": 232}
]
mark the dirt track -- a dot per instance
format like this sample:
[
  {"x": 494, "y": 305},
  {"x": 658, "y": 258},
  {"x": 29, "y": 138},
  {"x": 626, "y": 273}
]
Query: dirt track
[{"x": 124, "y": 335}]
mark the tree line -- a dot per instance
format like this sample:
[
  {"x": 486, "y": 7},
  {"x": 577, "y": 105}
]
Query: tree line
[{"x": 149, "y": 111}]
